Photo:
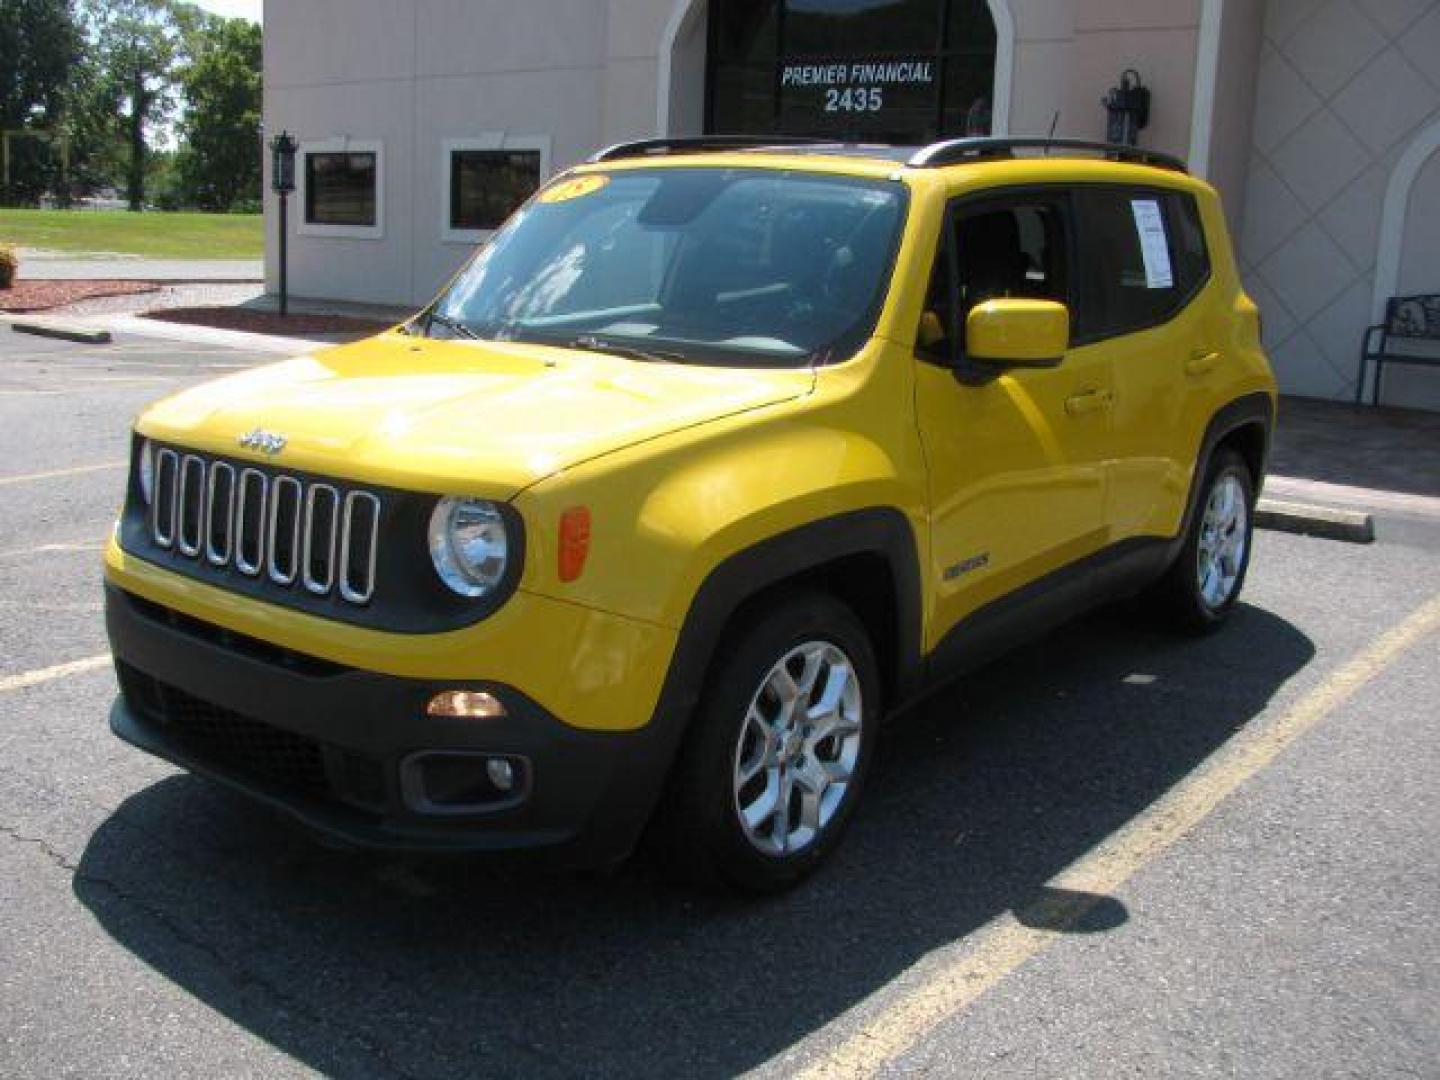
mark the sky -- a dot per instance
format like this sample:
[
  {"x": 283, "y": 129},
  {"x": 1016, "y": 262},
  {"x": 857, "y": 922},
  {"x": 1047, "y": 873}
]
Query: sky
[{"x": 247, "y": 9}]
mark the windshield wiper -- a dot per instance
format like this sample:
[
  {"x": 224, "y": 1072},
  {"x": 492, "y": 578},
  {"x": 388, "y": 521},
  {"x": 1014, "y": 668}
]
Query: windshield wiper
[
  {"x": 453, "y": 325},
  {"x": 591, "y": 343}
]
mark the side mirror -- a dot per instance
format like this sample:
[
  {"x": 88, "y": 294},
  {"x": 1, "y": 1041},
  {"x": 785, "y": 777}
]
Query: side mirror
[{"x": 1017, "y": 333}]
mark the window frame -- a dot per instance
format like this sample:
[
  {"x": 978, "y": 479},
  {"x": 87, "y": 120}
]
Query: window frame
[
  {"x": 1093, "y": 305},
  {"x": 1061, "y": 198},
  {"x": 340, "y": 145},
  {"x": 485, "y": 140}
]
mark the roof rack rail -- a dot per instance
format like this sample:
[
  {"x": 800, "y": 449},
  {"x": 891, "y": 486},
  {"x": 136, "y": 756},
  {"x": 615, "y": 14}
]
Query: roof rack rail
[
  {"x": 954, "y": 151},
  {"x": 700, "y": 144}
]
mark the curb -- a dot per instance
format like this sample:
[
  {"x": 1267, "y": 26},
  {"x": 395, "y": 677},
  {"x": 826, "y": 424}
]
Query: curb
[
  {"x": 1305, "y": 519},
  {"x": 63, "y": 331}
]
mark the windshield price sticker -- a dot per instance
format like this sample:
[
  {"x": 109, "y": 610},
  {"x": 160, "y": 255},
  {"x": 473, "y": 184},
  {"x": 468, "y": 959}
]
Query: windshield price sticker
[
  {"x": 573, "y": 188},
  {"x": 1154, "y": 248},
  {"x": 857, "y": 87}
]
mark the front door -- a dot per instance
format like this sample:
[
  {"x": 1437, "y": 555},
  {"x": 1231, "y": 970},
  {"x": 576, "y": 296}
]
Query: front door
[{"x": 1017, "y": 461}]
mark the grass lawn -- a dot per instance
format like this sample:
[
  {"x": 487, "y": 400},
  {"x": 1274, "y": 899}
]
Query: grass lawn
[{"x": 153, "y": 234}]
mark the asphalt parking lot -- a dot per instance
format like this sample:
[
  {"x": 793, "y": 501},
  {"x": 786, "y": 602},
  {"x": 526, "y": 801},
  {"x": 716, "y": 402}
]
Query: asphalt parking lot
[{"x": 1113, "y": 853}]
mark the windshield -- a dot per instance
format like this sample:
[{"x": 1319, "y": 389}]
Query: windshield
[{"x": 703, "y": 265}]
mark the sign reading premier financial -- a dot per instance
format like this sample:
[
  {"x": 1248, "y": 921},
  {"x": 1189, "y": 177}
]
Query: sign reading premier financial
[{"x": 854, "y": 86}]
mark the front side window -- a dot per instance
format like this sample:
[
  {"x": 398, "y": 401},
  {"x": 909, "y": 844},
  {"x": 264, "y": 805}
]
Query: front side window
[
  {"x": 709, "y": 265},
  {"x": 487, "y": 186},
  {"x": 993, "y": 251},
  {"x": 340, "y": 188}
]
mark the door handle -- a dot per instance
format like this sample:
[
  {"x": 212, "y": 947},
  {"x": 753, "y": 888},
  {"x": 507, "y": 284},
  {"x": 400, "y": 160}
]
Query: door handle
[
  {"x": 1201, "y": 363},
  {"x": 1088, "y": 401}
]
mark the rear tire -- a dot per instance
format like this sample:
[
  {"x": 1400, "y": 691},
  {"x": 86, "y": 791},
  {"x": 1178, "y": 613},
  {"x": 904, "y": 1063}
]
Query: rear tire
[
  {"x": 776, "y": 756},
  {"x": 1201, "y": 587}
]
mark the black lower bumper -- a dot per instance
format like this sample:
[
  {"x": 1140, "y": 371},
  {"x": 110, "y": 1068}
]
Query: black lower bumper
[{"x": 336, "y": 747}]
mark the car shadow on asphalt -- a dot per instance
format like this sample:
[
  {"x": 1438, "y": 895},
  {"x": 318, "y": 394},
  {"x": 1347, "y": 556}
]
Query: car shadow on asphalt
[{"x": 359, "y": 965}]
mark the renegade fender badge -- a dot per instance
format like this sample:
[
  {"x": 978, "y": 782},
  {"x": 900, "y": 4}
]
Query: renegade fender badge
[{"x": 266, "y": 442}]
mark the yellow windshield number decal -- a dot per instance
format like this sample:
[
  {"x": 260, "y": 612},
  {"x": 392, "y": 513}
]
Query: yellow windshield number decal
[{"x": 574, "y": 188}]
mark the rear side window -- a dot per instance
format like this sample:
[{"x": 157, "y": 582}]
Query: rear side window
[{"x": 1144, "y": 256}]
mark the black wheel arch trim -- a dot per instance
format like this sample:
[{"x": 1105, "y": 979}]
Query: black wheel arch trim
[
  {"x": 1250, "y": 410},
  {"x": 877, "y": 531}
]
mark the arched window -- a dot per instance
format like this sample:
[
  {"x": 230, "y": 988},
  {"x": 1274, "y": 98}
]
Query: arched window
[{"x": 885, "y": 70}]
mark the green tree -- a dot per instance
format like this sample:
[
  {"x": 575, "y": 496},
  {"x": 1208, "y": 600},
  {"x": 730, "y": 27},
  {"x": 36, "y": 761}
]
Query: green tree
[
  {"x": 136, "y": 44},
  {"x": 219, "y": 159},
  {"x": 40, "y": 46}
]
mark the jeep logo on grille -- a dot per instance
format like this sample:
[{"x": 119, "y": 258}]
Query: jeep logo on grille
[{"x": 267, "y": 442}]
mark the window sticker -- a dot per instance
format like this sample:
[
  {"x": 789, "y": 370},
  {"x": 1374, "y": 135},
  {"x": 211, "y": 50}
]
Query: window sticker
[
  {"x": 575, "y": 188},
  {"x": 1153, "y": 247}
]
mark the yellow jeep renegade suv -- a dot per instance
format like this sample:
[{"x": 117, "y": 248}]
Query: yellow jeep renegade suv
[{"x": 713, "y": 456}]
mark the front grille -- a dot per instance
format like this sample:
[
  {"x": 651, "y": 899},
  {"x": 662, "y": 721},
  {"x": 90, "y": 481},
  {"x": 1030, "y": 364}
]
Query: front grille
[{"x": 294, "y": 532}]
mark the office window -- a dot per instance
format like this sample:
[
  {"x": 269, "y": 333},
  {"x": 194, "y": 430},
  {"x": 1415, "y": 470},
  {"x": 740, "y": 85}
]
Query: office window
[
  {"x": 896, "y": 70},
  {"x": 340, "y": 188},
  {"x": 487, "y": 186}
]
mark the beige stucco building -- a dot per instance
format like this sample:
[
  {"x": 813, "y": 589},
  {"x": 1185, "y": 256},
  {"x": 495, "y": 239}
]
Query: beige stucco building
[{"x": 421, "y": 122}]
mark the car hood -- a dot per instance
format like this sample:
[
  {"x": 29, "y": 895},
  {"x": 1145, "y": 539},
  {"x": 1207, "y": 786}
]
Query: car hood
[{"x": 482, "y": 418}]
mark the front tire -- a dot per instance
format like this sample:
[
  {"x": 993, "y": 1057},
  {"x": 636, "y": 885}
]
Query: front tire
[
  {"x": 1202, "y": 586},
  {"x": 777, "y": 754}
]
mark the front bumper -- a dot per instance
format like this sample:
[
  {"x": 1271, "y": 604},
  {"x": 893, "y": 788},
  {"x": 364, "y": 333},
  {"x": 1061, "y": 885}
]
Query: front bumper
[{"x": 334, "y": 746}]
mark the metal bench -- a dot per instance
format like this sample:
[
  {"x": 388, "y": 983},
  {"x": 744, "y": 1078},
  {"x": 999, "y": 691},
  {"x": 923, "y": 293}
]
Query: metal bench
[{"x": 1407, "y": 319}]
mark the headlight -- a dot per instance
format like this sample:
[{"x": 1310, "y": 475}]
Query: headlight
[
  {"x": 469, "y": 545},
  {"x": 147, "y": 471}
]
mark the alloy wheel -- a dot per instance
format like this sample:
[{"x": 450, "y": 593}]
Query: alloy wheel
[
  {"x": 1224, "y": 537},
  {"x": 798, "y": 748}
]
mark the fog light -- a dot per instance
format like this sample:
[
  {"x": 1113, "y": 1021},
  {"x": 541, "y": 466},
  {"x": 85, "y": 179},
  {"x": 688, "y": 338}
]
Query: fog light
[
  {"x": 501, "y": 773},
  {"x": 466, "y": 705}
]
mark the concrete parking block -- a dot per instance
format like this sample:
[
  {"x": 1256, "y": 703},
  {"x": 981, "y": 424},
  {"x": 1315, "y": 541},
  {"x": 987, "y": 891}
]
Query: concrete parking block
[
  {"x": 1351, "y": 526},
  {"x": 65, "y": 331}
]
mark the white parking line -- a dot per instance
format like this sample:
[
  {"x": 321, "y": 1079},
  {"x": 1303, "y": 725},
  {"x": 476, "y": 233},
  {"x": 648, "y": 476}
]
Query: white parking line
[
  {"x": 56, "y": 473},
  {"x": 59, "y": 671},
  {"x": 48, "y": 549}
]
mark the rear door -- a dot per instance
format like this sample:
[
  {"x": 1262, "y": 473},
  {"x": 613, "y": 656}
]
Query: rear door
[
  {"x": 1016, "y": 461},
  {"x": 1146, "y": 264}
]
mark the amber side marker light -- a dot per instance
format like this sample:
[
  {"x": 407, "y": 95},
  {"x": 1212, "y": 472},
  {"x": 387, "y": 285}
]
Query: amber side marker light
[
  {"x": 574, "y": 542},
  {"x": 465, "y": 705}
]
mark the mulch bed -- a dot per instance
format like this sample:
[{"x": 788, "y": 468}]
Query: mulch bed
[
  {"x": 27, "y": 296},
  {"x": 268, "y": 322}
]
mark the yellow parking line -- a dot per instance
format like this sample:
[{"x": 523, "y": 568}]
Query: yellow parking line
[
  {"x": 59, "y": 671},
  {"x": 56, "y": 473},
  {"x": 950, "y": 985}
]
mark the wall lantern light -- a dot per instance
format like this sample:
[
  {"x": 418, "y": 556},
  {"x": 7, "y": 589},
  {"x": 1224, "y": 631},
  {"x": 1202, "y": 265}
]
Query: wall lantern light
[{"x": 1128, "y": 109}]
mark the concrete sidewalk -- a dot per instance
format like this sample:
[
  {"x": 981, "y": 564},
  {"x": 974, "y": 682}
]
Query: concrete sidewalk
[
  {"x": 1382, "y": 460},
  {"x": 61, "y": 266}
]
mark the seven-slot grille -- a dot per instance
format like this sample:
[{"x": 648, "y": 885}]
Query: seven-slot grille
[{"x": 290, "y": 530}]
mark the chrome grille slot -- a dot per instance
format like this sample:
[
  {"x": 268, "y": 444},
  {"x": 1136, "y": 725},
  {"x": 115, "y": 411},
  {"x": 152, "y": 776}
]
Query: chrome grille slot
[
  {"x": 310, "y": 537},
  {"x": 322, "y": 531},
  {"x": 359, "y": 544},
  {"x": 190, "y": 514},
  {"x": 286, "y": 498},
  {"x": 220, "y": 514},
  {"x": 250, "y": 521},
  {"x": 164, "y": 494}
]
